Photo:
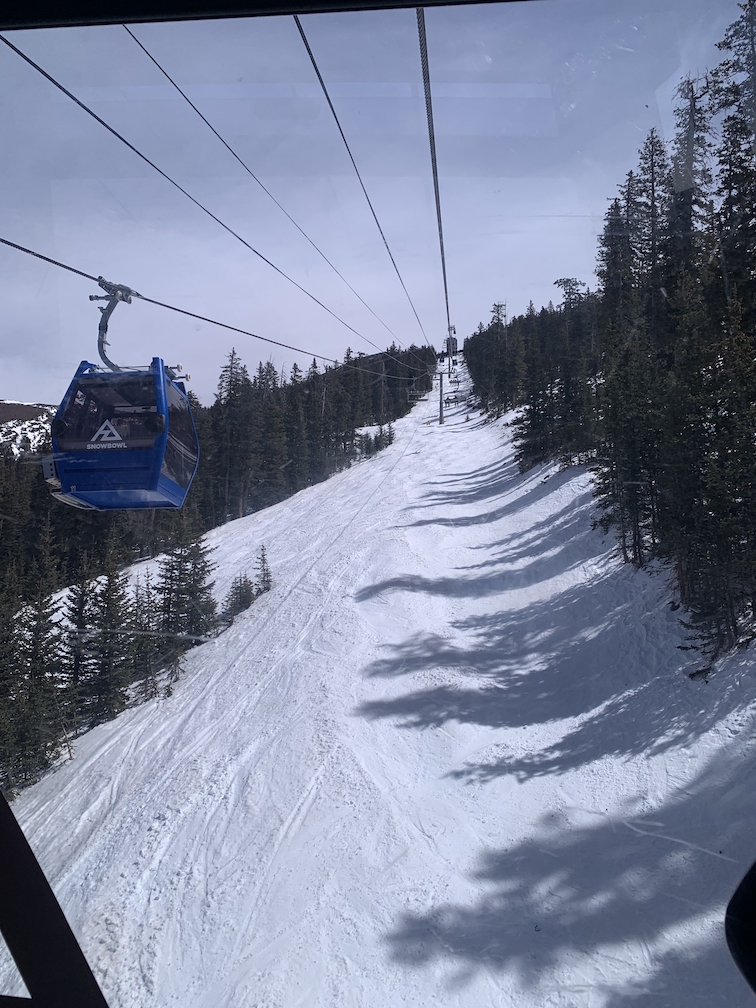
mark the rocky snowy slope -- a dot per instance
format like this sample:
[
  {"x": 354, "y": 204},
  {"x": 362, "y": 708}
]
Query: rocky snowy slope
[
  {"x": 24, "y": 426},
  {"x": 452, "y": 760}
]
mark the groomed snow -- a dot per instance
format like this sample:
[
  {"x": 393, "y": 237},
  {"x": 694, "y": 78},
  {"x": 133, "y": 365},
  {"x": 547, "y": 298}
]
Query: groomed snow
[{"x": 452, "y": 760}]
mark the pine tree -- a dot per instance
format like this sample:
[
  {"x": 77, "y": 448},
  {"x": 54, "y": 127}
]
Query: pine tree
[
  {"x": 240, "y": 597},
  {"x": 187, "y": 606},
  {"x": 733, "y": 97},
  {"x": 39, "y": 714},
  {"x": 652, "y": 196},
  {"x": 78, "y": 615},
  {"x": 272, "y": 451},
  {"x": 233, "y": 434},
  {"x": 298, "y": 472},
  {"x": 148, "y": 648},
  {"x": 11, "y": 680},
  {"x": 535, "y": 428},
  {"x": 264, "y": 576},
  {"x": 314, "y": 410},
  {"x": 690, "y": 205},
  {"x": 112, "y": 620}
]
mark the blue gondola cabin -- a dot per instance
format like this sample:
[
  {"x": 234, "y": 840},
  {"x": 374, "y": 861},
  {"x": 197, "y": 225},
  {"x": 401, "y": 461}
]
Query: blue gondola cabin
[{"x": 123, "y": 440}]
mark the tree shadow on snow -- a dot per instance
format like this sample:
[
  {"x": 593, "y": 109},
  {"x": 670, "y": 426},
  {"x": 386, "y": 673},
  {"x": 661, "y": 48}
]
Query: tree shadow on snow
[
  {"x": 598, "y": 650},
  {"x": 566, "y": 529},
  {"x": 599, "y": 655},
  {"x": 620, "y": 713},
  {"x": 486, "y": 484},
  {"x": 552, "y": 548},
  {"x": 591, "y": 651},
  {"x": 562, "y": 908}
]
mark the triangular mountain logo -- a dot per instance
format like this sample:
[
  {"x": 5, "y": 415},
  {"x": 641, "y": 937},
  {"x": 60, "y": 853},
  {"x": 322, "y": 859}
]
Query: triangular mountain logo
[{"x": 107, "y": 433}]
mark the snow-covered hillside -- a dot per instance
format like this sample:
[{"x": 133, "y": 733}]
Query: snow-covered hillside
[
  {"x": 452, "y": 760},
  {"x": 24, "y": 426}
]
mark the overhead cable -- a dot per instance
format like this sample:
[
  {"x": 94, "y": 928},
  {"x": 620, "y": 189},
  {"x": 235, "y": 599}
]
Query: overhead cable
[
  {"x": 432, "y": 140},
  {"x": 201, "y": 318},
  {"x": 264, "y": 188},
  {"x": 176, "y": 184},
  {"x": 357, "y": 172}
]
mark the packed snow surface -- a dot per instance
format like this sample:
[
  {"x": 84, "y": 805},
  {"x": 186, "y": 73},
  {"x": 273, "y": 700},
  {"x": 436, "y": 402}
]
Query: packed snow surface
[{"x": 452, "y": 760}]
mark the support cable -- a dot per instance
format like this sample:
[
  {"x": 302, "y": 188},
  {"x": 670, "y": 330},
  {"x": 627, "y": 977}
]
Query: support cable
[
  {"x": 432, "y": 140},
  {"x": 201, "y": 318},
  {"x": 357, "y": 172},
  {"x": 177, "y": 186},
  {"x": 264, "y": 188}
]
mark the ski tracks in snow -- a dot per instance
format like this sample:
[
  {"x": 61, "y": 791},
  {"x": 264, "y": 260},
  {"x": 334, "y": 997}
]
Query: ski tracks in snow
[{"x": 404, "y": 776}]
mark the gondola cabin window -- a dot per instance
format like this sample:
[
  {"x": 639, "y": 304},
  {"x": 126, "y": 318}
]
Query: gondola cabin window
[
  {"x": 180, "y": 458},
  {"x": 117, "y": 414}
]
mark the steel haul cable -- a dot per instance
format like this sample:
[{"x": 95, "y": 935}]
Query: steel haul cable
[
  {"x": 201, "y": 318},
  {"x": 264, "y": 188},
  {"x": 177, "y": 186},
  {"x": 432, "y": 141},
  {"x": 357, "y": 171}
]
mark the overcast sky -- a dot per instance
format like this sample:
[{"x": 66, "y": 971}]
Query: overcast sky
[{"x": 540, "y": 108}]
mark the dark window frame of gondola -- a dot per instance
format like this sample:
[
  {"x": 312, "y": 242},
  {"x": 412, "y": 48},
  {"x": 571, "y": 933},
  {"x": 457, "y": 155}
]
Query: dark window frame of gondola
[{"x": 17, "y": 14}]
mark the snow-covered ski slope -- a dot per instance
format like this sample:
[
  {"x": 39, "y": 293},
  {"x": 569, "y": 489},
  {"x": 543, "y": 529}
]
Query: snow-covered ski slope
[{"x": 452, "y": 760}]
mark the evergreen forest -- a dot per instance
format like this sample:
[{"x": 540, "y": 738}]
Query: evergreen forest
[{"x": 650, "y": 379}]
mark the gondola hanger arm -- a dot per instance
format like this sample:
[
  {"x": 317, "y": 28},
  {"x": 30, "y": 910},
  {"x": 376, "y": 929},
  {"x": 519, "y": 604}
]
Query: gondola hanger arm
[{"x": 114, "y": 294}]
